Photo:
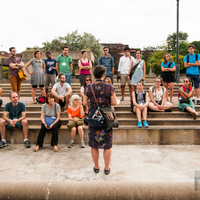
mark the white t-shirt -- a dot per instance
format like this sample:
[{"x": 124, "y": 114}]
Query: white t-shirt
[
  {"x": 82, "y": 89},
  {"x": 157, "y": 95},
  {"x": 124, "y": 64},
  {"x": 61, "y": 90}
]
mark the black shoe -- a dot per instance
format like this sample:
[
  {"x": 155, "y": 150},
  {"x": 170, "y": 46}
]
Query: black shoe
[
  {"x": 193, "y": 100},
  {"x": 27, "y": 144},
  {"x": 107, "y": 171},
  {"x": 96, "y": 170},
  {"x": 3, "y": 144},
  {"x": 198, "y": 102}
]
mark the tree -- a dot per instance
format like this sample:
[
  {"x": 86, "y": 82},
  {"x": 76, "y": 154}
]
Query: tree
[
  {"x": 197, "y": 46},
  {"x": 182, "y": 38},
  {"x": 76, "y": 42}
]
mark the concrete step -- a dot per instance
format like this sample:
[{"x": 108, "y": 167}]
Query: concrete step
[{"x": 156, "y": 135}]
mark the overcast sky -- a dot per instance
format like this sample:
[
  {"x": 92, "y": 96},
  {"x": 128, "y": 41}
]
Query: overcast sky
[{"x": 138, "y": 23}]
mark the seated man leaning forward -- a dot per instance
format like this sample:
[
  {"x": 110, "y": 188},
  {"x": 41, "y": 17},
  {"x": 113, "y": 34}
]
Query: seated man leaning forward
[
  {"x": 14, "y": 117},
  {"x": 62, "y": 91}
]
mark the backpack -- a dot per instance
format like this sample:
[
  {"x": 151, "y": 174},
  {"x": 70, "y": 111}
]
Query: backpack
[
  {"x": 154, "y": 87},
  {"x": 41, "y": 99},
  {"x": 196, "y": 57}
]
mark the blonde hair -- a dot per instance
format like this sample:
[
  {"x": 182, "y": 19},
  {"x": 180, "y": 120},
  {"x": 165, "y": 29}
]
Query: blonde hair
[{"x": 109, "y": 80}]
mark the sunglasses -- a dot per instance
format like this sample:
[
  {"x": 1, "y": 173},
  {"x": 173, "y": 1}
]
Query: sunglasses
[
  {"x": 185, "y": 81},
  {"x": 88, "y": 80},
  {"x": 105, "y": 50}
]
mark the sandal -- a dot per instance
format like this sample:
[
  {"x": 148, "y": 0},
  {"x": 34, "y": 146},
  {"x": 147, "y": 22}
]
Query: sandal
[
  {"x": 55, "y": 148},
  {"x": 194, "y": 115},
  {"x": 107, "y": 171},
  {"x": 36, "y": 149},
  {"x": 96, "y": 170}
]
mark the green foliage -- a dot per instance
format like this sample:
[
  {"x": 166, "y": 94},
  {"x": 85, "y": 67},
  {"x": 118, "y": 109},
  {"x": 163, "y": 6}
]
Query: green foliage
[
  {"x": 155, "y": 60},
  {"x": 5, "y": 72},
  {"x": 182, "y": 38},
  {"x": 76, "y": 42}
]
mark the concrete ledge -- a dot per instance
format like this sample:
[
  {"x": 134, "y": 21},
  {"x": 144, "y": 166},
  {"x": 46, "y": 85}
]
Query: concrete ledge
[
  {"x": 153, "y": 135},
  {"x": 97, "y": 190}
]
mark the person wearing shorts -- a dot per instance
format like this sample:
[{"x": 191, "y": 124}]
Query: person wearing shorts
[
  {"x": 50, "y": 71},
  {"x": 123, "y": 68},
  {"x": 14, "y": 116},
  {"x": 64, "y": 65},
  {"x": 192, "y": 63},
  {"x": 14, "y": 64},
  {"x": 37, "y": 74}
]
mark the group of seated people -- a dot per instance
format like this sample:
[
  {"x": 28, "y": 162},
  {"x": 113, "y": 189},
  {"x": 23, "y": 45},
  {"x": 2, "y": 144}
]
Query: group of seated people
[
  {"x": 156, "y": 100},
  {"x": 14, "y": 115}
]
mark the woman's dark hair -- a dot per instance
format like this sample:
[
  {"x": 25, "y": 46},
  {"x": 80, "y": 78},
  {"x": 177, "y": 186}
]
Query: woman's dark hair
[
  {"x": 35, "y": 52},
  {"x": 82, "y": 52},
  {"x": 161, "y": 80},
  {"x": 165, "y": 61},
  {"x": 84, "y": 84},
  {"x": 137, "y": 51},
  {"x": 188, "y": 80},
  {"x": 47, "y": 97},
  {"x": 99, "y": 71}
]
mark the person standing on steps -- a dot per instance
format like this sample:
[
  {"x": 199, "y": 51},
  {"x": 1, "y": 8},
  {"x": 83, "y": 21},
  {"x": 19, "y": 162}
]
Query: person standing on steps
[
  {"x": 14, "y": 64},
  {"x": 123, "y": 71},
  {"x": 14, "y": 116},
  {"x": 168, "y": 68},
  {"x": 37, "y": 74},
  {"x": 108, "y": 62},
  {"x": 192, "y": 63},
  {"x": 50, "y": 71},
  {"x": 64, "y": 65}
]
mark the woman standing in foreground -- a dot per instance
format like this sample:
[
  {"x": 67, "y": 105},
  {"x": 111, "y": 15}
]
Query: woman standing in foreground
[{"x": 100, "y": 138}]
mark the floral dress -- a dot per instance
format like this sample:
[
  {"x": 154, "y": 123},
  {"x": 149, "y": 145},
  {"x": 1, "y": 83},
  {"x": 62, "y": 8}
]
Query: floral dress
[{"x": 99, "y": 137}]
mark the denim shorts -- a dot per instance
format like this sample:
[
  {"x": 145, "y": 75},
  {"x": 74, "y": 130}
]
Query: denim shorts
[
  {"x": 68, "y": 78},
  {"x": 195, "y": 79}
]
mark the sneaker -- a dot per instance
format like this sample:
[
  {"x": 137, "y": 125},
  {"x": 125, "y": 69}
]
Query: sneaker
[
  {"x": 193, "y": 100},
  {"x": 122, "y": 99},
  {"x": 198, "y": 102},
  {"x": 171, "y": 101},
  {"x": 82, "y": 144},
  {"x": 3, "y": 144},
  {"x": 27, "y": 144},
  {"x": 71, "y": 144},
  {"x": 145, "y": 123},
  {"x": 139, "y": 125}
]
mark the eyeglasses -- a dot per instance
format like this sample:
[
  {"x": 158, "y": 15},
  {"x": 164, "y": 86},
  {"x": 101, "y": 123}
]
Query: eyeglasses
[
  {"x": 185, "y": 81},
  {"x": 88, "y": 80}
]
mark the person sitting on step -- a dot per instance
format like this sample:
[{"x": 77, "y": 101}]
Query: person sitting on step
[
  {"x": 87, "y": 80},
  {"x": 157, "y": 94},
  {"x": 14, "y": 116},
  {"x": 140, "y": 104},
  {"x": 75, "y": 114},
  {"x": 1, "y": 100},
  {"x": 184, "y": 96},
  {"x": 62, "y": 92},
  {"x": 49, "y": 109}
]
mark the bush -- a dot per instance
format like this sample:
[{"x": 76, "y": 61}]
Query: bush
[{"x": 5, "y": 72}]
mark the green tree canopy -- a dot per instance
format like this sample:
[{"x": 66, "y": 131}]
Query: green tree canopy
[
  {"x": 76, "y": 42},
  {"x": 182, "y": 38},
  {"x": 197, "y": 46}
]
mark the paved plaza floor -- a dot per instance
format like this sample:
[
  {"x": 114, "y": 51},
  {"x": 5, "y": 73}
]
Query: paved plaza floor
[{"x": 129, "y": 163}]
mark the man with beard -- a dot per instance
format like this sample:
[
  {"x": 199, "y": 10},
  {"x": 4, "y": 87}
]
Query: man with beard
[
  {"x": 62, "y": 92},
  {"x": 14, "y": 116},
  {"x": 14, "y": 64}
]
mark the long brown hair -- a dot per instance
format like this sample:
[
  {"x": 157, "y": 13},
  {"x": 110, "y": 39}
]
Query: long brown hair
[{"x": 165, "y": 61}]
